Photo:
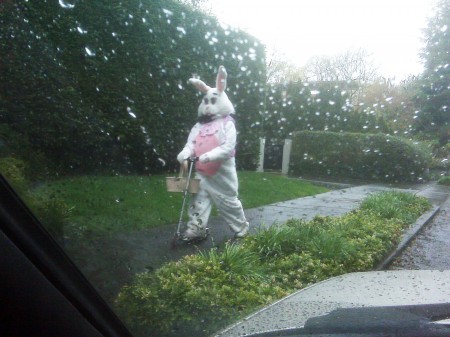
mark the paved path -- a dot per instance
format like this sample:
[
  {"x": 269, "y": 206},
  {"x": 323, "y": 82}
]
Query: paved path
[
  {"x": 153, "y": 247},
  {"x": 111, "y": 262}
]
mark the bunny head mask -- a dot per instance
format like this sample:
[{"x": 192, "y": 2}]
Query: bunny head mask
[{"x": 215, "y": 103}]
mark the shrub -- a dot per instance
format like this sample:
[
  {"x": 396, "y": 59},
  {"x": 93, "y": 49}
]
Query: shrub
[
  {"x": 13, "y": 170},
  {"x": 360, "y": 156},
  {"x": 16, "y": 148},
  {"x": 274, "y": 242},
  {"x": 444, "y": 180},
  {"x": 50, "y": 210},
  {"x": 213, "y": 286},
  {"x": 237, "y": 262},
  {"x": 222, "y": 286}
]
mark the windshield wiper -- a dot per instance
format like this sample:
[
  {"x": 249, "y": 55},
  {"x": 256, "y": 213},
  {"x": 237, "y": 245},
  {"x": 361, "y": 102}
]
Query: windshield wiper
[{"x": 399, "y": 321}]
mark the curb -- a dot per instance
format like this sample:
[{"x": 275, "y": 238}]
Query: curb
[{"x": 410, "y": 234}]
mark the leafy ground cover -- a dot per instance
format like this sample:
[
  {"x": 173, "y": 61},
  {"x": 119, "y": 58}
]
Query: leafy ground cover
[
  {"x": 221, "y": 286},
  {"x": 115, "y": 203},
  {"x": 445, "y": 180}
]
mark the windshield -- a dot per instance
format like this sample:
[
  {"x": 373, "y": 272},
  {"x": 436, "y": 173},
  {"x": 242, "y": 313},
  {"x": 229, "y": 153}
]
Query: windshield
[{"x": 149, "y": 138}]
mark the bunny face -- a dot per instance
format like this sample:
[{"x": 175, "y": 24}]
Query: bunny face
[{"x": 215, "y": 103}]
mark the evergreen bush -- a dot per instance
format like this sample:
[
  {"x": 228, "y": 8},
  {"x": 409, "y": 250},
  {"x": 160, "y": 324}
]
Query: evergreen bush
[
  {"x": 356, "y": 155},
  {"x": 103, "y": 86}
]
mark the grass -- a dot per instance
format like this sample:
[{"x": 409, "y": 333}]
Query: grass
[
  {"x": 258, "y": 189},
  {"x": 396, "y": 205},
  {"x": 121, "y": 203}
]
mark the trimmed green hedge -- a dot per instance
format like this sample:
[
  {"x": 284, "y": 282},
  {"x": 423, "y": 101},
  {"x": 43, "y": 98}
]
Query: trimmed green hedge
[
  {"x": 356, "y": 155},
  {"x": 202, "y": 293},
  {"x": 112, "y": 77}
]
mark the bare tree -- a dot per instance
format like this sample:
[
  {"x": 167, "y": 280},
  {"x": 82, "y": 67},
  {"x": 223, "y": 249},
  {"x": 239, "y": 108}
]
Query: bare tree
[
  {"x": 352, "y": 65},
  {"x": 351, "y": 69},
  {"x": 280, "y": 70}
]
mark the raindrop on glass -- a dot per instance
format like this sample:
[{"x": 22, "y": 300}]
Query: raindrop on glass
[
  {"x": 66, "y": 5},
  {"x": 181, "y": 30},
  {"x": 167, "y": 12},
  {"x": 81, "y": 30},
  {"x": 89, "y": 52},
  {"x": 131, "y": 113}
]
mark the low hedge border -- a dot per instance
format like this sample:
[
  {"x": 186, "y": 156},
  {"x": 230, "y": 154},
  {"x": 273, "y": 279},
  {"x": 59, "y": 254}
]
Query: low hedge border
[
  {"x": 222, "y": 286},
  {"x": 359, "y": 156}
]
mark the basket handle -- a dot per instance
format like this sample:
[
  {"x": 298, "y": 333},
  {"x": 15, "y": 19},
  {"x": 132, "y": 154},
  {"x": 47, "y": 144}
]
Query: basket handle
[{"x": 183, "y": 169}]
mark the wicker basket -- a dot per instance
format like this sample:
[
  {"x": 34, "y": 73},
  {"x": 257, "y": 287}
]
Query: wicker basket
[{"x": 178, "y": 184}]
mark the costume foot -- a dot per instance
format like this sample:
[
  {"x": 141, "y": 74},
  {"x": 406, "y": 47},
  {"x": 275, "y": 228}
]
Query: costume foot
[
  {"x": 243, "y": 233},
  {"x": 192, "y": 236}
]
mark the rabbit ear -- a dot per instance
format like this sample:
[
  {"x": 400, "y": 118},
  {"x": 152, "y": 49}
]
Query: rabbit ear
[
  {"x": 199, "y": 84},
  {"x": 221, "y": 82}
]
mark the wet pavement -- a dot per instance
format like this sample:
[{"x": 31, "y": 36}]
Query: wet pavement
[
  {"x": 431, "y": 247},
  {"x": 109, "y": 262}
]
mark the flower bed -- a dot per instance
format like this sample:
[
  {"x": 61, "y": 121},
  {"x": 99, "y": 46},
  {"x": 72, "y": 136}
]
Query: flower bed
[{"x": 202, "y": 293}]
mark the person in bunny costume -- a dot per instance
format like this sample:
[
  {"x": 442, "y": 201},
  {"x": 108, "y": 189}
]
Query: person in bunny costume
[{"x": 212, "y": 140}]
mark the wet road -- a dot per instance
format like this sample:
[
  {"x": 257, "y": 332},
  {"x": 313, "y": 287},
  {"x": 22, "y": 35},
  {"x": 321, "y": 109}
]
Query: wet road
[{"x": 431, "y": 248}]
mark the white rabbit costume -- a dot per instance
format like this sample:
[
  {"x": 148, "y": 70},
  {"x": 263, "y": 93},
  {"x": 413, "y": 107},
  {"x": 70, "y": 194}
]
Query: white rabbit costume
[{"x": 213, "y": 141}]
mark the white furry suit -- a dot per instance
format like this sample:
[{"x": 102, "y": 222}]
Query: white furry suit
[{"x": 213, "y": 141}]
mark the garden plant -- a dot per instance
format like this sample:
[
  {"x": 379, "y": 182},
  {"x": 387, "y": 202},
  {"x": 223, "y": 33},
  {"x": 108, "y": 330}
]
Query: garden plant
[{"x": 277, "y": 261}]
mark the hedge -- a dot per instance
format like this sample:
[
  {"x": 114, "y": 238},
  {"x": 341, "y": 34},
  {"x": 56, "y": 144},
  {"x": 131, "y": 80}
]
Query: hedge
[
  {"x": 360, "y": 156},
  {"x": 112, "y": 77}
]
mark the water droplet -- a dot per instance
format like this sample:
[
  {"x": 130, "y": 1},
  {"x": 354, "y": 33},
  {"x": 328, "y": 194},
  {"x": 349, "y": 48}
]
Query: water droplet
[
  {"x": 131, "y": 113},
  {"x": 89, "y": 52},
  {"x": 66, "y": 5},
  {"x": 181, "y": 30},
  {"x": 167, "y": 12},
  {"x": 81, "y": 30}
]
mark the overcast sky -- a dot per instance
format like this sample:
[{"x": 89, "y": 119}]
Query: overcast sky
[{"x": 391, "y": 30}]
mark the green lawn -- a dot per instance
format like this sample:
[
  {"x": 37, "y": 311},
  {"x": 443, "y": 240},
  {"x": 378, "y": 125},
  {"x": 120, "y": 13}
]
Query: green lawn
[
  {"x": 258, "y": 189},
  {"x": 115, "y": 203}
]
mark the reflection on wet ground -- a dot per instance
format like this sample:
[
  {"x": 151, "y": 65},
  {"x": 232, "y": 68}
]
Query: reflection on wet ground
[{"x": 431, "y": 248}]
